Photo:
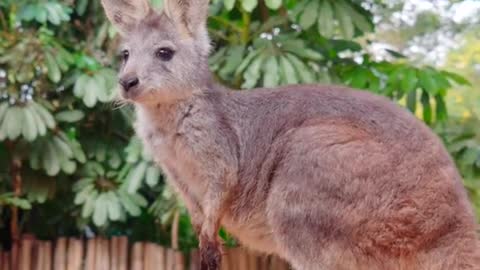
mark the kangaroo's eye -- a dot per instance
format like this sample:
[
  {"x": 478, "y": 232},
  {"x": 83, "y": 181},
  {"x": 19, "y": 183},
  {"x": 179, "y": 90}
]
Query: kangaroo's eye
[
  {"x": 124, "y": 55},
  {"x": 165, "y": 54}
]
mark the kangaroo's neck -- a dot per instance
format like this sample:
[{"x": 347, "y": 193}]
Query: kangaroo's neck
[
  {"x": 166, "y": 117},
  {"x": 160, "y": 118}
]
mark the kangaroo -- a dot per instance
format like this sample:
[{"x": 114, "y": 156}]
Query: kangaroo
[{"x": 325, "y": 177}]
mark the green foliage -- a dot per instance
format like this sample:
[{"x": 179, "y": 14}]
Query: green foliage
[
  {"x": 462, "y": 137},
  {"x": 52, "y": 12},
  {"x": 462, "y": 131},
  {"x": 98, "y": 87},
  {"x": 78, "y": 152},
  {"x": 11, "y": 199}
]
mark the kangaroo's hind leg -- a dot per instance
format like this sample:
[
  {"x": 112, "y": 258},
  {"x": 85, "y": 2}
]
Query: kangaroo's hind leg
[
  {"x": 338, "y": 200},
  {"x": 315, "y": 200}
]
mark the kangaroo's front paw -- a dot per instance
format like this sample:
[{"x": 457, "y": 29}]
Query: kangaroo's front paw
[{"x": 210, "y": 256}]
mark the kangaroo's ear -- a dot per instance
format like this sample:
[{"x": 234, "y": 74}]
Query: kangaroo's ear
[
  {"x": 125, "y": 14},
  {"x": 191, "y": 15}
]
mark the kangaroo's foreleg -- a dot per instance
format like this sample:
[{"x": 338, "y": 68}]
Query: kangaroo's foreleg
[{"x": 215, "y": 203}]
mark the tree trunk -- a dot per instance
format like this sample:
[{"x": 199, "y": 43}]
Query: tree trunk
[{"x": 15, "y": 167}]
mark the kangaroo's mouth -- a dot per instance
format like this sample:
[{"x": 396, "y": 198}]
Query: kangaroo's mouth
[{"x": 131, "y": 94}]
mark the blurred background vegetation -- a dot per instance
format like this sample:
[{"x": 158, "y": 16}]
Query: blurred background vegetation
[{"x": 71, "y": 165}]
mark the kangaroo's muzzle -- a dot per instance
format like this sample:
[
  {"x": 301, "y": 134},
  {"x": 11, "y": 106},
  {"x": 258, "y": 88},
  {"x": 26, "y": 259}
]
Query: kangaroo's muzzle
[{"x": 130, "y": 86}]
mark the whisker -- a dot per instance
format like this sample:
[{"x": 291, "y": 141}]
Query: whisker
[{"x": 118, "y": 103}]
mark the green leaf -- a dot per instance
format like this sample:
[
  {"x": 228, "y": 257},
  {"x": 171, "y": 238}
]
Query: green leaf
[
  {"x": 100, "y": 211},
  {"x": 13, "y": 122},
  {"x": 77, "y": 151},
  {"x": 34, "y": 157},
  {"x": 442, "y": 83},
  {"x": 57, "y": 12},
  {"x": 288, "y": 71},
  {"x": 358, "y": 19},
  {"x": 326, "y": 23},
  {"x": 152, "y": 176},
  {"x": 374, "y": 83},
  {"x": 252, "y": 75},
  {"x": 44, "y": 114},
  {"x": 412, "y": 100},
  {"x": 82, "y": 183},
  {"x": 344, "y": 45},
  {"x": 126, "y": 201},
  {"x": 395, "y": 53},
  {"x": 3, "y": 109},
  {"x": 456, "y": 78},
  {"x": 298, "y": 48},
  {"x": 51, "y": 163},
  {"x": 29, "y": 128},
  {"x": 102, "y": 91},
  {"x": 54, "y": 15},
  {"x": 27, "y": 12},
  {"x": 297, "y": 9},
  {"x": 81, "y": 6},
  {"x": 115, "y": 160},
  {"x": 82, "y": 196},
  {"x": 94, "y": 169},
  {"x": 70, "y": 116},
  {"x": 135, "y": 177},
  {"x": 39, "y": 123},
  {"x": 270, "y": 70},
  {"x": 80, "y": 85},
  {"x": 134, "y": 150},
  {"x": 217, "y": 58},
  {"x": 229, "y": 4},
  {"x": 109, "y": 77},
  {"x": 273, "y": 4},
  {"x": 92, "y": 89},
  {"x": 62, "y": 149},
  {"x": 394, "y": 80},
  {"x": 19, "y": 202},
  {"x": 64, "y": 58},
  {"x": 469, "y": 156},
  {"x": 344, "y": 19},
  {"x": 440, "y": 109},
  {"x": 410, "y": 80},
  {"x": 113, "y": 206},
  {"x": 232, "y": 60},
  {"x": 311, "y": 54},
  {"x": 295, "y": 46},
  {"x": 68, "y": 166},
  {"x": 53, "y": 69},
  {"x": 427, "y": 108},
  {"x": 40, "y": 14},
  {"x": 89, "y": 205},
  {"x": 359, "y": 78},
  {"x": 309, "y": 16},
  {"x": 249, "y": 5},
  {"x": 138, "y": 199},
  {"x": 101, "y": 152},
  {"x": 306, "y": 76},
  {"x": 427, "y": 82},
  {"x": 246, "y": 62}
]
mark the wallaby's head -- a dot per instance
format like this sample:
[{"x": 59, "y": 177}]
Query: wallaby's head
[{"x": 164, "y": 54}]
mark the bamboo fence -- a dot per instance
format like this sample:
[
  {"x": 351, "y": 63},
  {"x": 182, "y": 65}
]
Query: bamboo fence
[{"x": 118, "y": 254}]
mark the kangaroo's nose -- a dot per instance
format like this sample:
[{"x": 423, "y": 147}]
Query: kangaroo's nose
[{"x": 129, "y": 82}]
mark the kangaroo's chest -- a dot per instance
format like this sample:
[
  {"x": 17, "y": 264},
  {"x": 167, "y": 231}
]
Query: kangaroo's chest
[{"x": 174, "y": 155}]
